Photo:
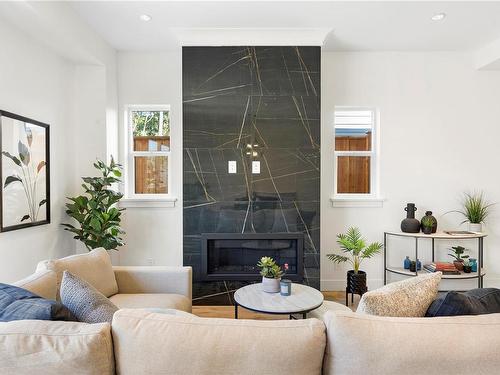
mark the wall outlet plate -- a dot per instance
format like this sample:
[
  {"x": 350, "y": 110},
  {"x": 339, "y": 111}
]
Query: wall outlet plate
[
  {"x": 256, "y": 167},
  {"x": 231, "y": 166}
]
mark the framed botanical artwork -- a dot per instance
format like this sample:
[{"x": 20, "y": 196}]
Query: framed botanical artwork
[{"x": 24, "y": 172}]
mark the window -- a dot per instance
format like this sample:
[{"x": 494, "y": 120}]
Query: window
[
  {"x": 148, "y": 150},
  {"x": 355, "y": 152}
]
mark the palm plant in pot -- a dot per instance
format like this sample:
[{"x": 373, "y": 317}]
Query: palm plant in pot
[
  {"x": 458, "y": 255},
  {"x": 354, "y": 246},
  {"x": 475, "y": 210},
  {"x": 271, "y": 274}
]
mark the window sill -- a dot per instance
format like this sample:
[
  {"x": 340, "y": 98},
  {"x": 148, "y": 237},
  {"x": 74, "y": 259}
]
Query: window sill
[
  {"x": 358, "y": 202},
  {"x": 147, "y": 202}
]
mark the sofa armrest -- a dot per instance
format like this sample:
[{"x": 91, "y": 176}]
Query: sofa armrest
[{"x": 154, "y": 279}]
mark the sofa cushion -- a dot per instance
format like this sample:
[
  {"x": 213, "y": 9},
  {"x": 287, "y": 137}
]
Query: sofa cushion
[
  {"x": 20, "y": 304},
  {"x": 84, "y": 301},
  {"x": 408, "y": 298},
  {"x": 53, "y": 348},
  {"x": 152, "y": 343},
  {"x": 472, "y": 302},
  {"x": 94, "y": 267},
  {"x": 42, "y": 283},
  {"x": 320, "y": 312},
  {"x": 156, "y": 300},
  {"x": 365, "y": 344}
]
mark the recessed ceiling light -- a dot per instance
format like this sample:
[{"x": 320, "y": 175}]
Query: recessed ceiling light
[
  {"x": 438, "y": 17},
  {"x": 145, "y": 17}
]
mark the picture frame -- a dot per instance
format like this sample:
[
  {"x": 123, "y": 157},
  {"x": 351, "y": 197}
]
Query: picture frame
[{"x": 24, "y": 172}]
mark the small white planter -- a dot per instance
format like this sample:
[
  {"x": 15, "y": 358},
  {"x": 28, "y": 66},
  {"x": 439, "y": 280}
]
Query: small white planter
[
  {"x": 475, "y": 227},
  {"x": 270, "y": 285}
]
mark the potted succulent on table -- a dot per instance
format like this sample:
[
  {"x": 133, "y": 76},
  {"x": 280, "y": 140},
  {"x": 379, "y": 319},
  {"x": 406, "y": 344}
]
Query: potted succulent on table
[
  {"x": 355, "y": 246},
  {"x": 475, "y": 210},
  {"x": 427, "y": 224},
  {"x": 458, "y": 252},
  {"x": 271, "y": 275}
]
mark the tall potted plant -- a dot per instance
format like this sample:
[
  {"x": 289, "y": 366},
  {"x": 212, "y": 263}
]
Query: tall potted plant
[
  {"x": 271, "y": 275},
  {"x": 95, "y": 211},
  {"x": 355, "y": 246},
  {"x": 475, "y": 210}
]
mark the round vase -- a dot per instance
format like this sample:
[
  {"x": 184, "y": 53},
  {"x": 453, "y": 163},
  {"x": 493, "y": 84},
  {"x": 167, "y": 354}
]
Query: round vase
[
  {"x": 356, "y": 282},
  {"x": 459, "y": 265},
  {"x": 475, "y": 227},
  {"x": 410, "y": 224},
  {"x": 427, "y": 230},
  {"x": 434, "y": 220},
  {"x": 270, "y": 285}
]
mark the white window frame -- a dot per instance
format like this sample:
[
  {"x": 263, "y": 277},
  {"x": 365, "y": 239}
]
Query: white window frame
[
  {"x": 372, "y": 199},
  {"x": 131, "y": 199}
]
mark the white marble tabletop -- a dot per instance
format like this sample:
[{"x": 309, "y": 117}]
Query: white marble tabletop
[{"x": 303, "y": 298}]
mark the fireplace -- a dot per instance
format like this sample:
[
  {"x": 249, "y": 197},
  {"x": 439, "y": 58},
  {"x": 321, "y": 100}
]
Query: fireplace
[{"x": 234, "y": 256}]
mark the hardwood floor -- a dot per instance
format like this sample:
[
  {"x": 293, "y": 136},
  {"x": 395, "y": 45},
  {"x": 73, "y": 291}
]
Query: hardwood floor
[{"x": 228, "y": 311}]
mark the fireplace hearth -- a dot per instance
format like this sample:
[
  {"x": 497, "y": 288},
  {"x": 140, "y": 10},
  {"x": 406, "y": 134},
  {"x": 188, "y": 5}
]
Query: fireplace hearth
[{"x": 234, "y": 256}]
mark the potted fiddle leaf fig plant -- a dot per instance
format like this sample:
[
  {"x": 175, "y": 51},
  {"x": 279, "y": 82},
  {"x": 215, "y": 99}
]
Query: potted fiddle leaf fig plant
[
  {"x": 458, "y": 252},
  {"x": 271, "y": 274},
  {"x": 95, "y": 210},
  {"x": 354, "y": 245}
]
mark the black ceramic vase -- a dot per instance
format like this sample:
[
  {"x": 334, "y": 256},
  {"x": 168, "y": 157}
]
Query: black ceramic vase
[
  {"x": 434, "y": 220},
  {"x": 356, "y": 284},
  {"x": 410, "y": 224}
]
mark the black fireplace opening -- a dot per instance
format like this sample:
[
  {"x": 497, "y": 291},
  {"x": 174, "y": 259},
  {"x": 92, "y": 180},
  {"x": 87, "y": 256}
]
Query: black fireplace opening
[{"x": 234, "y": 256}]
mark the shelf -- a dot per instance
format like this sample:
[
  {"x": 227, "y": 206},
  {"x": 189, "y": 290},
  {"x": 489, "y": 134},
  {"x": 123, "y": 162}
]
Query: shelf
[
  {"x": 439, "y": 235},
  {"x": 462, "y": 276}
]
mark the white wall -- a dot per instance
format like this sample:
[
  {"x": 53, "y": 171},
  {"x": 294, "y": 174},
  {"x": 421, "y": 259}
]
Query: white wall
[
  {"x": 153, "y": 233},
  {"x": 36, "y": 83},
  {"x": 440, "y": 126}
]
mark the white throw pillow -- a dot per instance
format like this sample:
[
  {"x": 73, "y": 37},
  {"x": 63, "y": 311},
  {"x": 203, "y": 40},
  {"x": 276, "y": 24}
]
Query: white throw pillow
[
  {"x": 408, "y": 298},
  {"x": 94, "y": 267}
]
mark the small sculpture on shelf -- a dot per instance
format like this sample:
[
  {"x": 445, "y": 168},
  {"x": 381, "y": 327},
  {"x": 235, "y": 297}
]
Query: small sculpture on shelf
[{"x": 410, "y": 224}]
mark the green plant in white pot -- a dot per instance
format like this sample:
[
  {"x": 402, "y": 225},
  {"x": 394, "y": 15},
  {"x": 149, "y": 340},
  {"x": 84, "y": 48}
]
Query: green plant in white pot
[
  {"x": 475, "y": 210},
  {"x": 271, "y": 274}
]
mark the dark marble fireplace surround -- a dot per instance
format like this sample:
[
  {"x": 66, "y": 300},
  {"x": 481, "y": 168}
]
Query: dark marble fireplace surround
[{"x": 268, "y": 98}]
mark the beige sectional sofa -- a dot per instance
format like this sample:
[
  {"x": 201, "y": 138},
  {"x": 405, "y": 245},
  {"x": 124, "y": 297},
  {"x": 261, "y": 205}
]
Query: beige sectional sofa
[
  {"x": 140, "y": 341},
  {"x": 125, "y": 286}
]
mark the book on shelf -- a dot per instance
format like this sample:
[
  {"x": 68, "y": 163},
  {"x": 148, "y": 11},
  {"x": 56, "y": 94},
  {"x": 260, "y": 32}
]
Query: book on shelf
[
  {"x": 458, "y": 232},
  {"x": 444, "y": 267}
]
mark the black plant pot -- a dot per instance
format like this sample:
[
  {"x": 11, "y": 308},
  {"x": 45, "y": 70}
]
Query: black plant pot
[
  {"x": 467, "y": 269},
  {"x": 356, "y": 284},
  {"x": 427, "y": 230}
]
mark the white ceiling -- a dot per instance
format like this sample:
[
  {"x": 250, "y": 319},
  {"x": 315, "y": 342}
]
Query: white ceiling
[{"x": 398, "y": 26}]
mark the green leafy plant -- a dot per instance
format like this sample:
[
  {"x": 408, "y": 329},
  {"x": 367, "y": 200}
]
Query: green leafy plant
[
  {"x": 427, "y": 222},
  {"x": 466, "y": 262},
  {"x": 458, "y": 252},
  {"x": 475, "y": 208},
  {"x": 353, "y": 244},
  {"x": 269, "y": 268},
  {"x": 95, "y": 210},
  {"x": 29, "y": 173}
]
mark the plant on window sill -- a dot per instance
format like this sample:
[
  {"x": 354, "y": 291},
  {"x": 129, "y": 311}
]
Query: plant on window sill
[{"x": 96, "y": 212}]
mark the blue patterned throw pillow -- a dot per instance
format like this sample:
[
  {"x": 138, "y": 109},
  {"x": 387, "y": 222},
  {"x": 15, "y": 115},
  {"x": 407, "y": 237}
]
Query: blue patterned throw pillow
[
  {"x": 20, "y": 304},
  {"x": 86, "y": 303}
]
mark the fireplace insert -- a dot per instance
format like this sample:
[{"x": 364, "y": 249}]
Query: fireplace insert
[{"x": 234, "y": 256}]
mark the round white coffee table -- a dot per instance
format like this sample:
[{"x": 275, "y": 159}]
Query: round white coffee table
[{"x": 302, "y": 300}]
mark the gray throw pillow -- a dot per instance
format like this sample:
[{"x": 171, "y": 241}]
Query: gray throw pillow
[{"x": 86, "y": 303}]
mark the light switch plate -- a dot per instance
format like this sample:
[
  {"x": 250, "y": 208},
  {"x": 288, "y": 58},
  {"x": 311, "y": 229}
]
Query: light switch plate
[
  {"x": 231, "y": 166},
  {"x": 256, "y": 167}
]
